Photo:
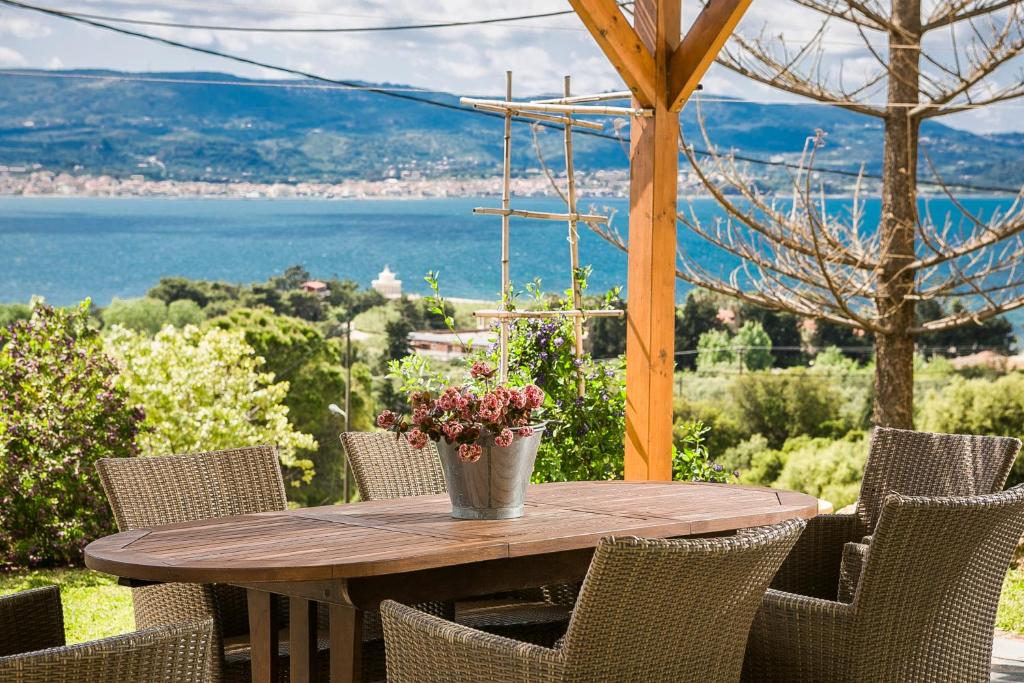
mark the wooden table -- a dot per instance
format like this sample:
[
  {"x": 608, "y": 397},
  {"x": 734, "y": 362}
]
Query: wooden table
[{"x": 353, "y": 556}]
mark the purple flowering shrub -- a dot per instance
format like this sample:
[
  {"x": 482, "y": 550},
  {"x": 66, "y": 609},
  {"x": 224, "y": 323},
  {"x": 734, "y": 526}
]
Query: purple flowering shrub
[{"x": 60, "y": 411}]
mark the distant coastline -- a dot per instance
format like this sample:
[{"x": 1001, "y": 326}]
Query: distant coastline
[{"x": 43, "y": 183}]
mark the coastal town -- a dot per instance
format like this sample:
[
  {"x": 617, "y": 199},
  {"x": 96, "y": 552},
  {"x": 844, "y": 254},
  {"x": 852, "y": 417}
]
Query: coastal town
[{"x": 37, "y": 181}]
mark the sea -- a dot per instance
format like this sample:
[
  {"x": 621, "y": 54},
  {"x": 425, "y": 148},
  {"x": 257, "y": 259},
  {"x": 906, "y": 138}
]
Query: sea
[{"x": 65, "y": 249}]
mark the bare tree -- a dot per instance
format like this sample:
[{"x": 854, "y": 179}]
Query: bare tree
[{"x": 799, "y": 256}]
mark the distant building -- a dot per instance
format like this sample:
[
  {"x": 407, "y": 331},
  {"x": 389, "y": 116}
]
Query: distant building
[
  {"x": 387, "y": 284},
  {"x": 445, "y": 345},
  {"x": 316, "y": 287}
]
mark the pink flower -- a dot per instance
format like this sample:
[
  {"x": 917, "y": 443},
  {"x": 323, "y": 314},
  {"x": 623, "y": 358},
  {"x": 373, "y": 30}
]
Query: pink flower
[
  {"x": 534, "y": 396},
  {"x": 504, "y": 439},
  {"x": 518, "y": 400},
  {"x": 420, "y": 415},
  {"x": 470, "y": 452},
  {"x": 525, "y": 431},
  {"x": 452, "y": 429},
  {"x": 386, "y": 420},
  {"x": 417, "y": 439},
  {"x": 481, "y": 369}
]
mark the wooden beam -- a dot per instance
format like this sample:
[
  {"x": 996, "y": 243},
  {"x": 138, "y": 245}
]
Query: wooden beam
[
  {"x": 650, "y": 327},
  {"x": 694, "y": 56},
  {"x": 621, "y": 45}
]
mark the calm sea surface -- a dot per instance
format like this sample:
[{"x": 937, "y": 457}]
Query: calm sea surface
[{"x": 66, "y": 249}]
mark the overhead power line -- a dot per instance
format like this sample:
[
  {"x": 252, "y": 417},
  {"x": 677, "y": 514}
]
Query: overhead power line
[
  {"x": 456, "y": 107},
  {"x": 346, "y": 29}
]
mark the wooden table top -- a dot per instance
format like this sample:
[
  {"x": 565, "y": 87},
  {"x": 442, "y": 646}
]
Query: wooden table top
[{"x": 409, "y": 534}]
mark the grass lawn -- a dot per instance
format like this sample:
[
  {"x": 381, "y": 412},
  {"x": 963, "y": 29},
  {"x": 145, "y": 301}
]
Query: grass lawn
[{"x": 94, "y": 605}]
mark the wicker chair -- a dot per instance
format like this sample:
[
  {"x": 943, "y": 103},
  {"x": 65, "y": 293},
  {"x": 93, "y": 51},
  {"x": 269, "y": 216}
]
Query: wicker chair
[
  {"x": 388, "y": 467},
  {"x": 899, "y": 461},
  {"x": 32, "y": 648},
  {"x": 924, "y": 609},
  {"x": 650, "y": 610},
  {"x": 145, "y": 492}
]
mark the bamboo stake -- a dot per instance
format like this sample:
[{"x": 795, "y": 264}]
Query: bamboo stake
[
  {"x": 581, "y": 99},
  {"x": 574, "y": 246},
  {"x": 563, "y": 120},
  {"x": 578, "y": 109},
  {"x": 506, "y": 203},
  {"x": 498, "y": 314},
  {"x": 542, "y": 215}
]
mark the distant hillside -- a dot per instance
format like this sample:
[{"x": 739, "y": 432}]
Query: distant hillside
[{"x": 213, "y": 132}]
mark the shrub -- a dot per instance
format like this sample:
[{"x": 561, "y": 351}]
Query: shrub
[
  {"x": 206, "y": 390},
  {"x": 724, "y": 431},
  {"x": 784, "y": 404},
  {"x": 690, "y": 458},
  {"x": 142, "y": 315},
  {"x": 62, "y": 411},
  {"x": 10, "y": 313},
  {"x": 831, "y": 470},
  {"x": 742, "y": 456},
  {"x": 979, "y": 406},
  {"x": 184, "y": 312}
]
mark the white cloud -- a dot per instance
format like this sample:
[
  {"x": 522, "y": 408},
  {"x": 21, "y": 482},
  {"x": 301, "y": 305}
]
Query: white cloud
[
  {"x": 22, "y": 27},
  {"x": 9, "y": 57}
]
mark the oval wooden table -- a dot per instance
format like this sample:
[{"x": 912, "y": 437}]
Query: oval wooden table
[{"x": 410, "y": 549}]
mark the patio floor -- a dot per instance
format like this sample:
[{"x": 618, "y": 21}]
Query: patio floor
[{"x": 1008, "y": 660}]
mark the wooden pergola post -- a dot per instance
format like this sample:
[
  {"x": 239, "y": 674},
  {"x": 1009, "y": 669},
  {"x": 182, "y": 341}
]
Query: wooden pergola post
[{"x": 662, "y": 71}]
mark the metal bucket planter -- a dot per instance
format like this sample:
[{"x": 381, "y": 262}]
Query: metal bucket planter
[{"x": 494, "y": 486}]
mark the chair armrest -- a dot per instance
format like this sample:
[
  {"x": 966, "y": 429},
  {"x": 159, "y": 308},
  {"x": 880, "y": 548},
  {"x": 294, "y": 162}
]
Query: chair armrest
[
  {"x": 798, "y": 638},
  {"x": 854, "y": 556},
  {"x": 812, "y": 566},
  {"x": 31, "y": 620},
  {"x": 422, "y": 648},
  {"x": 181, "y": 653}
]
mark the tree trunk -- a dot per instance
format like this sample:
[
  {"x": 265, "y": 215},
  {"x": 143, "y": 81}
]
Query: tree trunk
[{"x": 894, "y": 349}]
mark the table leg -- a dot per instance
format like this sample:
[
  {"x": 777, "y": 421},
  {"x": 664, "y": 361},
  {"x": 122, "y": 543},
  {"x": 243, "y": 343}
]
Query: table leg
[
  {"x": 263, "y": 636},
  {"x": 302, "y": 631},
  {"x": 346, "y": 644}
]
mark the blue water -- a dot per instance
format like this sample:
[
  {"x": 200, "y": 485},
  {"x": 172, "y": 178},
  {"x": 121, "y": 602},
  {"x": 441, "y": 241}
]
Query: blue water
[{"x": 66, "y": 249}]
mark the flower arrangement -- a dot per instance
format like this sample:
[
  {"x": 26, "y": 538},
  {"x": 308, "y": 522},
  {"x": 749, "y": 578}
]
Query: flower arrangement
[{"x": 464, "y": 414}]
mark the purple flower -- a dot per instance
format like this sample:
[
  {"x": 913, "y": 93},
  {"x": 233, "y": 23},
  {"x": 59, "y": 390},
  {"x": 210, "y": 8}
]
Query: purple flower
[{"x": 557, "y": 341}]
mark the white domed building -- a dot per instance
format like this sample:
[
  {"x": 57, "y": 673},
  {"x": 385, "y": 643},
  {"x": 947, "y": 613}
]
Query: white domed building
[{"x": 387, "y": 284}]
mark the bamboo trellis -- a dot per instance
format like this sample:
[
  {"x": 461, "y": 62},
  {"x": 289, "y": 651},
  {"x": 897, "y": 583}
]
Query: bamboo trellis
[{"x": 562, "y": 111}]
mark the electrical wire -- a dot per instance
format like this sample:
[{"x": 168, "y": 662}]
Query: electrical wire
[
  {"x": 354, "y": 29},
  {"x": 455, "y": 107}
]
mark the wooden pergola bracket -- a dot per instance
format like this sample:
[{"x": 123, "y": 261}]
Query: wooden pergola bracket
[
  {"x": 694, "y": 56},
  {"x": 621, "y": 45}
]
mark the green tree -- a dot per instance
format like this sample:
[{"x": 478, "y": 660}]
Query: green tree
[
  {"x": 62, "y": 411},
  {"x": 753, "y": 346},
  {"x": 142, "y": 315},
  {"x": 296, "y": 352},
  {"x": 715, "y": 349},
  {"x": 206, "y": 390},
  {"x": 184, "y": 312},
  {"x": 698, "y": 316},
  {"x": 784, "y": 404}
]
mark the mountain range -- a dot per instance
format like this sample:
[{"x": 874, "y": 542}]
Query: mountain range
[{"x": 219, "y": 127}]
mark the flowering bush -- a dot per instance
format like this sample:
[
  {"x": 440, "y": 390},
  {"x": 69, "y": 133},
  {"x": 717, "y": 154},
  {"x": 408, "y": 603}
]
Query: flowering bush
[
  {"x": 61, "y": 411},
  {"x": 463, "y": 414},
  {"x": 691, "y": 460}
]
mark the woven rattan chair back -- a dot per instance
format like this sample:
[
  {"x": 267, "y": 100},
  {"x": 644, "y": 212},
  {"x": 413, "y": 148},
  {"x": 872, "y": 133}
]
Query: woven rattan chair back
[
  {"x": 924, "y": 464},
  {"x": 680, "y": 608},
  {"x": 146, "y": 492},
  {"x": 32, "y": 648},
  {"x": 386, "y": 466},
  {"x": 926, "y": 603}
]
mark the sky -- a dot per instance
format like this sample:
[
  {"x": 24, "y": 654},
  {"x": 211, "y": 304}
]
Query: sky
[{"x": 464, "y": 60}]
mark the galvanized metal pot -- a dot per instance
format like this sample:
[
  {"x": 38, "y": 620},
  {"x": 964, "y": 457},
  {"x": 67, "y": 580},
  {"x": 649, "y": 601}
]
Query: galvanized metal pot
[{"x": 494, "y": 486}]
